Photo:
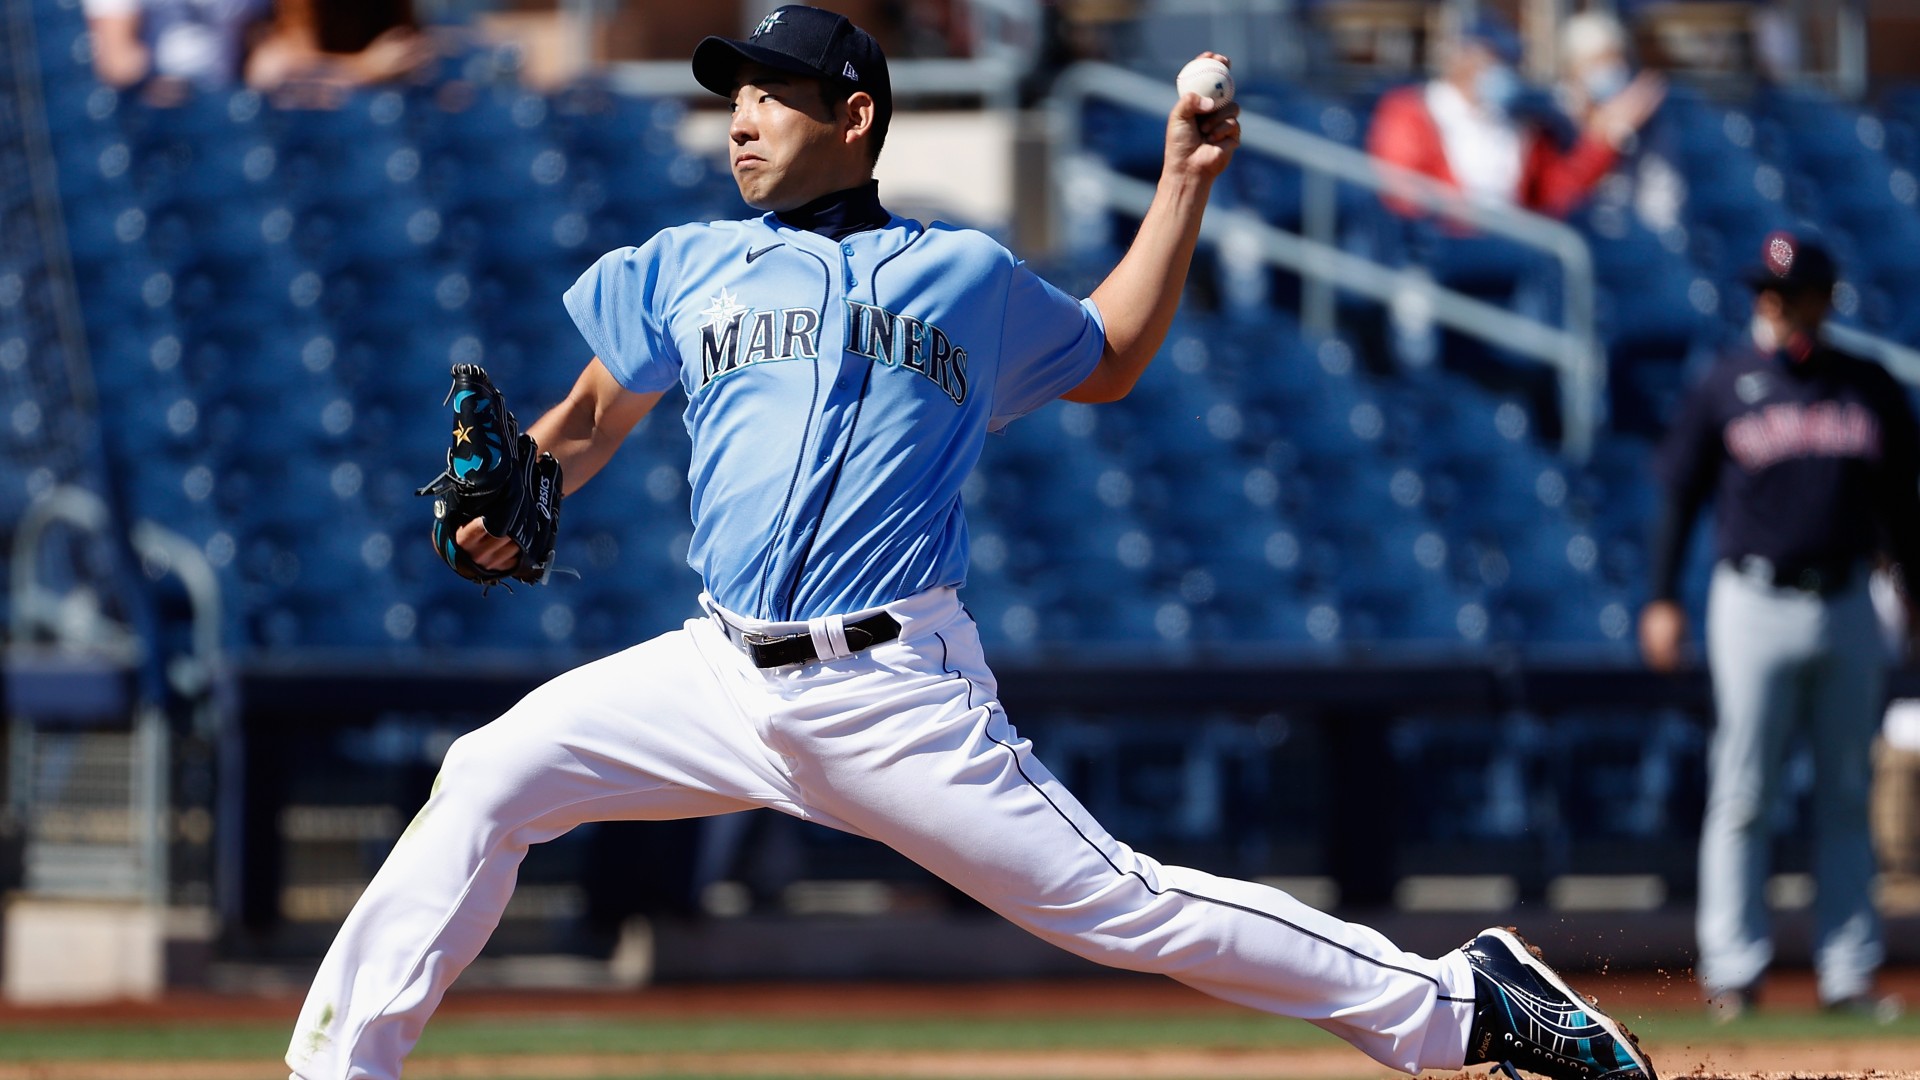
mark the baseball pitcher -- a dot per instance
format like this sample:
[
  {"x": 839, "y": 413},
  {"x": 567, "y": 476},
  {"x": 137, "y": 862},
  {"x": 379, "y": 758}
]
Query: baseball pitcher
[{"x": 841, "y": 367}]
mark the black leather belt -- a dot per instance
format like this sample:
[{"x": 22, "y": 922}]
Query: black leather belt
[
  {"x": 1824, "y": 579},
  {"x": 771, "y": 652}
]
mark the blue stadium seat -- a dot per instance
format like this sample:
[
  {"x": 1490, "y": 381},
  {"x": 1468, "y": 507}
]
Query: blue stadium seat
[
  {"x": 1130, "y": 141},
  {"x": 1426, "y": 613},
  {"x": 1256, "y": 488},
  {"x": 94, "y": 163},
  {"x": 612, "y": 130},
  {"x": 170, "y": 421},
  {"x": 1005, "y": 615},
  {"x": 84, "y": 108},
  {"x": 105, "y": 228},
  {"x": 1314, "y": 623},
  {"x": 66, "y": 50}
]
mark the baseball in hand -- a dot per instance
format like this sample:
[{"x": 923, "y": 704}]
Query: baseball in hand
[{"x": 1207, "y": 77}]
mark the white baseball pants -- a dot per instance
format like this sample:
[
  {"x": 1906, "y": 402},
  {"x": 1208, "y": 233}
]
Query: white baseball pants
[{"x": 905, "y": 743}]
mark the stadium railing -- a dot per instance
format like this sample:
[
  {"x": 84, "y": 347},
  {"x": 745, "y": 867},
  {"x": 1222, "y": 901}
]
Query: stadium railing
[
  {"x": 1572, "y": 347},
  {"x": 88, "y": 768},
  {"x": 1899, "y": 360}
]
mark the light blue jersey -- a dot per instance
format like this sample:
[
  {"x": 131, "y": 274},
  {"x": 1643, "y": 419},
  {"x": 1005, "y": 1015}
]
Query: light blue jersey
[{"x": 838, "y": 393}]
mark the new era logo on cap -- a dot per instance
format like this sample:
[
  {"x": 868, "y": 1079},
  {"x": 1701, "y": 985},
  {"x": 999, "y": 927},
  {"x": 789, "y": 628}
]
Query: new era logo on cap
[{"x": 849, "y": 73}]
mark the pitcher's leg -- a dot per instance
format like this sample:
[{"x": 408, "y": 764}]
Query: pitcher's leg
[
  {"x": 934, "y": 770},
  {"x": 1844, "y": 713},
  {"x": 644, "y": 734},
  {"x": 1236, "y": 940},
  {"x": 1756, "y": 676}
]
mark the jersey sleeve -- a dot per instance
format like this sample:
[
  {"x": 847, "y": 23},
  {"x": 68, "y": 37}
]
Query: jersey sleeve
[
  {"x": 618, "y": 305},
  {"x": 1687, "y": 466},
  {"x": 1049, "y": 343},
  {"x": 1899, "y": 476}
]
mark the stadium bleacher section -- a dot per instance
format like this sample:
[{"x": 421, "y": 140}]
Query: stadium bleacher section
[{"x": 273, "y": 297}]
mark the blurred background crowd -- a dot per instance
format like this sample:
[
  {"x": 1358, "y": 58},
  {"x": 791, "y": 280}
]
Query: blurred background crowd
[{"x": 1381, "y": 508}]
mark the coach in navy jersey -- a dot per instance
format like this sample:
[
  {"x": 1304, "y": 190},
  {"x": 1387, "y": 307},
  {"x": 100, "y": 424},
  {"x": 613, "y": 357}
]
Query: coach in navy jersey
[{"x": 1809, "y": 456}]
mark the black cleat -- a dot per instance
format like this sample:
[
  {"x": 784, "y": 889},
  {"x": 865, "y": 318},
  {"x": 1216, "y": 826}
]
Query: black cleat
[{"x": 1526, "y": 1016}]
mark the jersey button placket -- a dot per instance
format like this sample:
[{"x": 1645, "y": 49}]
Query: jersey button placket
[
  {"x": 840, "y": 381},
  {"x": 846, "y": 265}
]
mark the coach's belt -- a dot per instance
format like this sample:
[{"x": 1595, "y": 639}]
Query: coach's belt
[
  {"x": 802, "y": 648},
  {"x": 1824, "y": 579}
]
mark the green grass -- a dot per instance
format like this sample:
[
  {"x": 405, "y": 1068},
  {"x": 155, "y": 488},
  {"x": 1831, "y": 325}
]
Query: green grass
[
  {"x": 555, "y": 1034},
  {"x": 65, "y": 1042},
  {"x": 616, "y": 1035}
]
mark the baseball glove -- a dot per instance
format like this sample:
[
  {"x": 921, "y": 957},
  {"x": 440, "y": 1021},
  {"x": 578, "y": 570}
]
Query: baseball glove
[{"x": 494, "y": 473}]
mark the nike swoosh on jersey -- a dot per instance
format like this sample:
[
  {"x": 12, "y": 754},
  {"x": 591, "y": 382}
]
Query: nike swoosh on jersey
[{"x": 752, "y": 255}]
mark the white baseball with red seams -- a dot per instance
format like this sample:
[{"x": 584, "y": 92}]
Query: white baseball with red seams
[{"x": 1208, "y": 78}]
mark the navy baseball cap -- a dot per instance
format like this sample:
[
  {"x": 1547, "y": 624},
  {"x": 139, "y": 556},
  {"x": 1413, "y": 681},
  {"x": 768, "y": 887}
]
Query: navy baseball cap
[
  {"x": 804, "y": 41},
  {"x": 1791, "y": 264}
]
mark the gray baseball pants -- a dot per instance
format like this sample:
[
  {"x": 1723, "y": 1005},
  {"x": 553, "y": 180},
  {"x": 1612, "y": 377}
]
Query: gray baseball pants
[{"x": 1785, "y": 661}]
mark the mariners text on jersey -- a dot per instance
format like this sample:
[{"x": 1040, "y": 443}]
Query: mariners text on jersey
[
  {"x": 865, "y": 370},
  {"x": 738, "y": 336},
  {"x": 782, "y": 334},
  {"x": 907, "y": 343}
]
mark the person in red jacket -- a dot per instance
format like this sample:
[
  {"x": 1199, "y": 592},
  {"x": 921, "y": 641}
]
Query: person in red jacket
[{"x": 1463, "y": 130}]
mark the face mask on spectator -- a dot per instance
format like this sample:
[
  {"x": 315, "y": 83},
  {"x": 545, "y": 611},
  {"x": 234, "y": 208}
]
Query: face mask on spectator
[
  {"x": 1605, "y": 81},
  {"x": 1497, "y": 87}
]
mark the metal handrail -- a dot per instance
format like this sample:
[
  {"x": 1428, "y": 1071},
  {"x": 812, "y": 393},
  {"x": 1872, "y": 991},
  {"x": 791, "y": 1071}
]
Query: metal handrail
[
  {"x": 1573, "y": 347},
  {"x": 35, "y": 610},
  {"x": 194, "y": 674},
  {"x": 200, "y": 675},
  {"x": 1901, "y": 362}
]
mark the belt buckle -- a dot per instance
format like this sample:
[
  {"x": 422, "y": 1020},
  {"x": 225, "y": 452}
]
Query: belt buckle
[{"x": 754, "y": 638}]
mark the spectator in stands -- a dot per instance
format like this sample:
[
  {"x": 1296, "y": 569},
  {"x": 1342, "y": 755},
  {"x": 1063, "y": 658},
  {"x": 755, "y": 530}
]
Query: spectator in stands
[
  {"x": 332, "y": 43},
  {"x": 1812, "y": 460},
  {"x": 199, "y": 44},
  {"x": 1465, "y": 130},
  {"x": 1595, "y": 70}
]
